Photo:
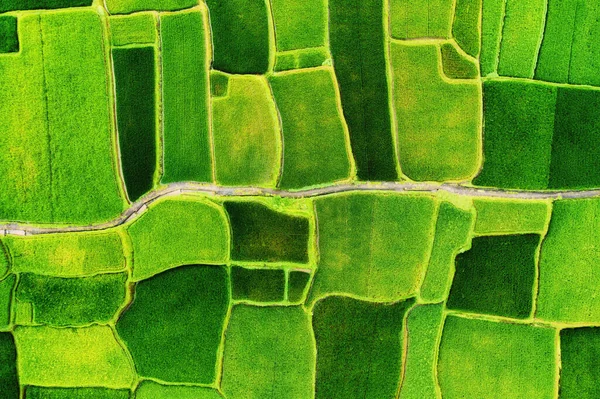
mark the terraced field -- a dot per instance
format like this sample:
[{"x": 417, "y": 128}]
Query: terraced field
[{"x": 316, "y": 199}]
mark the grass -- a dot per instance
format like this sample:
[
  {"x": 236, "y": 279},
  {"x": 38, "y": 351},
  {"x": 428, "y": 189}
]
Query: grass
[
  {"x": 299, "y": 24},
  {"x": 455, "y": 65},
  {"x": 569, "y": 285},
  {"x": 258, "y": 285},
  {"x": 486, "y": 359},
  {"x": 247, "y": 136},
  {"x": 359, "y": 348},
  {"x": 269, "y": 352},
  {"x": 420, "y": 19},
  {"x": 14, "y": 5},
  {"x": 89, "y": 357},
  {"x": 62, "y": 301},
  {"x": 135, "y": 82},
  {"x": 554, "y": 61},
  {"x": 9, "y": 36},
  {"x": 496, "y": 276},
  {"x": 259, "y": 233},
  {"x": 297, "y": 284},
  {"x": 139, "y": 28},
  {"x": 521, "y": 35},
  {"x": 241, "y": 37},
  {"x": 465, "y": 27},
  {"x": 375, "y": 246},
  {"x": 167, "y": 236},
  {"x": 423, "y": 324},
  {"x": 452, "y": 235},
  {"x": 9, "y": 379},
  {"x": 173, "y": 327},
  {"x": 32, "y": 392},
  {"x": 152, "y": 390},
  {"x": 314, "y": 133},
  {"x": 130, "y": 6},
  {"x": 519, "y": 126},
  {"x": 312, "y": 58},
  {"x": 575, "y": 155},
  {"x": 492, "y": 22},
  {"x": 219, "y": 85},
  {"x": 438, "y": 122},
  {"x": 579, "y": 352},
  {"x": 358, "y": 49},
  {"x": 285, "y": 62},
  {"x": 67, "y": 254},
  {"x": 505, "y": 216},
  {"x": 57, "y": 157},
  {"x": 185, "y": 62},
  {"x": 7, "y": 285}
]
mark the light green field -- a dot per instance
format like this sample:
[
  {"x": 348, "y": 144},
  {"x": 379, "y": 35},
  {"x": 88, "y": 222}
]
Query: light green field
[
  {"x": 414, "y": 19},
  {"x": 129, "y": 6},
  {"x": 139, "y": 28},
  {"x": 167, "y": 236},
  {"x": 299, "y": 24},
  {"x": 503, "y": 216},
  {"x": 438, "y": 121},
  {"x": 315, "y": 137},
  {"x": 466, "y": 25},
  {"x": 152, "y": 390},
  {"x": 89, "y": 357},
  {"x": 247, "y": 133}
]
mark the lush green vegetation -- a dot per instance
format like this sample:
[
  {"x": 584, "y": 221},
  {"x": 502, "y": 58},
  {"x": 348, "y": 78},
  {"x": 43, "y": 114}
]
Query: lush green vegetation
[
  {"x": 314, "y": 133},
  {"x": 259, "y": 233},
  {"x": 75, "y": 393},
  {"x": 438, "y": 122},
  {"x": 12, "y": 5},
  {"x": 9, "y": 36},
  {"x": 455, "y": 64},
  {"x": 486, "y": 359},
  {"x": 139, "y": 28},
  {"x": 359, "y": 347},
  {"x": 185, "y": 60},
  {"x": 258, "y": 285},
  {"x": 502, "y": 216},
  {"x": 269, "y": 351},
  {"x": 299, "y": 24},
  {"x": 63, "y": 301},
  {"x": 167, "y": 235},
  {"x": 496, "y": 276},
  {"x": 135, "y": 83},
  {"x": 492, "y": 21},
  {"x": 420, "y": 18},
  {"x": 356, "y": 40},
  {"x": 297, "y": 284},
  {"x": 187, "y": 307},
  {"x": 9, "y": 379},
  {"x": 7, "y": 286},
  {"x": 247, "y": 134},
  {"x": 89, "y": 357},
  {"x": 375, "y": 246},
  {"x": 241, "y": 35},
  {"x": 129, "y": 6},
  {"x": 579, "y": 352},
  {"x": 465, "y": 27},
  {"x": 151, "y": 390}
]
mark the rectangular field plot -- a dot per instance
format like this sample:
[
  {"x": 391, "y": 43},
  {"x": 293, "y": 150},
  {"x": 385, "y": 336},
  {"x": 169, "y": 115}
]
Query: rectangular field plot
[{"x": 139, "y": 28}]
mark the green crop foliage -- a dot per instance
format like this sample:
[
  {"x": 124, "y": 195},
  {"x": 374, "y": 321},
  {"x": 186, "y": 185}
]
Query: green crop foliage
[
  {"x": 579, "y": 351},
  {"x": 13, "y": 5},
  {"x": 247, "y": 134},
  {"x": 136, "y": 120},
  {"x": 420, "y": 18},
  {"x": 465, "y": 28},
  {"x": 9, "y": 379},
  {"x": 492, "y": 21},
  {"x": 62, "y": 301},
  {"x": 269, "y": 351},
  {"x": 502, "y": 216},
  {"x": 359, "y": 347},
  {"x": 67, "y": 254},
  {"x": 152, "y": 390},
  {"x": 314, "y": 133},
  {"x": 356, "y": 40},
  {"x": 297, "y": 282},
  {"x": 486, "y": 359},
  {"x": 259, "y": 233},
  {"x": 9, "y": 37},
  {"x": 130, "y": 6},
  {"x": 139, "y": 28},
  {"x": 521, "y": 35},
  {"x": 496, "y": 276},
  {"x": 375, "y": 246},
  {"x": 241, "y": 35},
  {"x": 424, "y": 327},
  {"x": 456, "y": 65},
  {"x": 185, "y": 61},
  {"x": 75, "y": 393},
  {"x": 89, "y": 357},
  {"x": 438, "y": 122},
  {"x": 518, "y": 133},
  {"x": 259, "y": 285},
  {"x": 569, "y": 286},
  {"x": 585, "y": 48},
  {"x": 452, "y": 235},
  {"x": 167, "y": 236},
  {"x": 173, "y": 327},
  {"x": 7, "y": 285},
  {"x": 299, "y": 24}
]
